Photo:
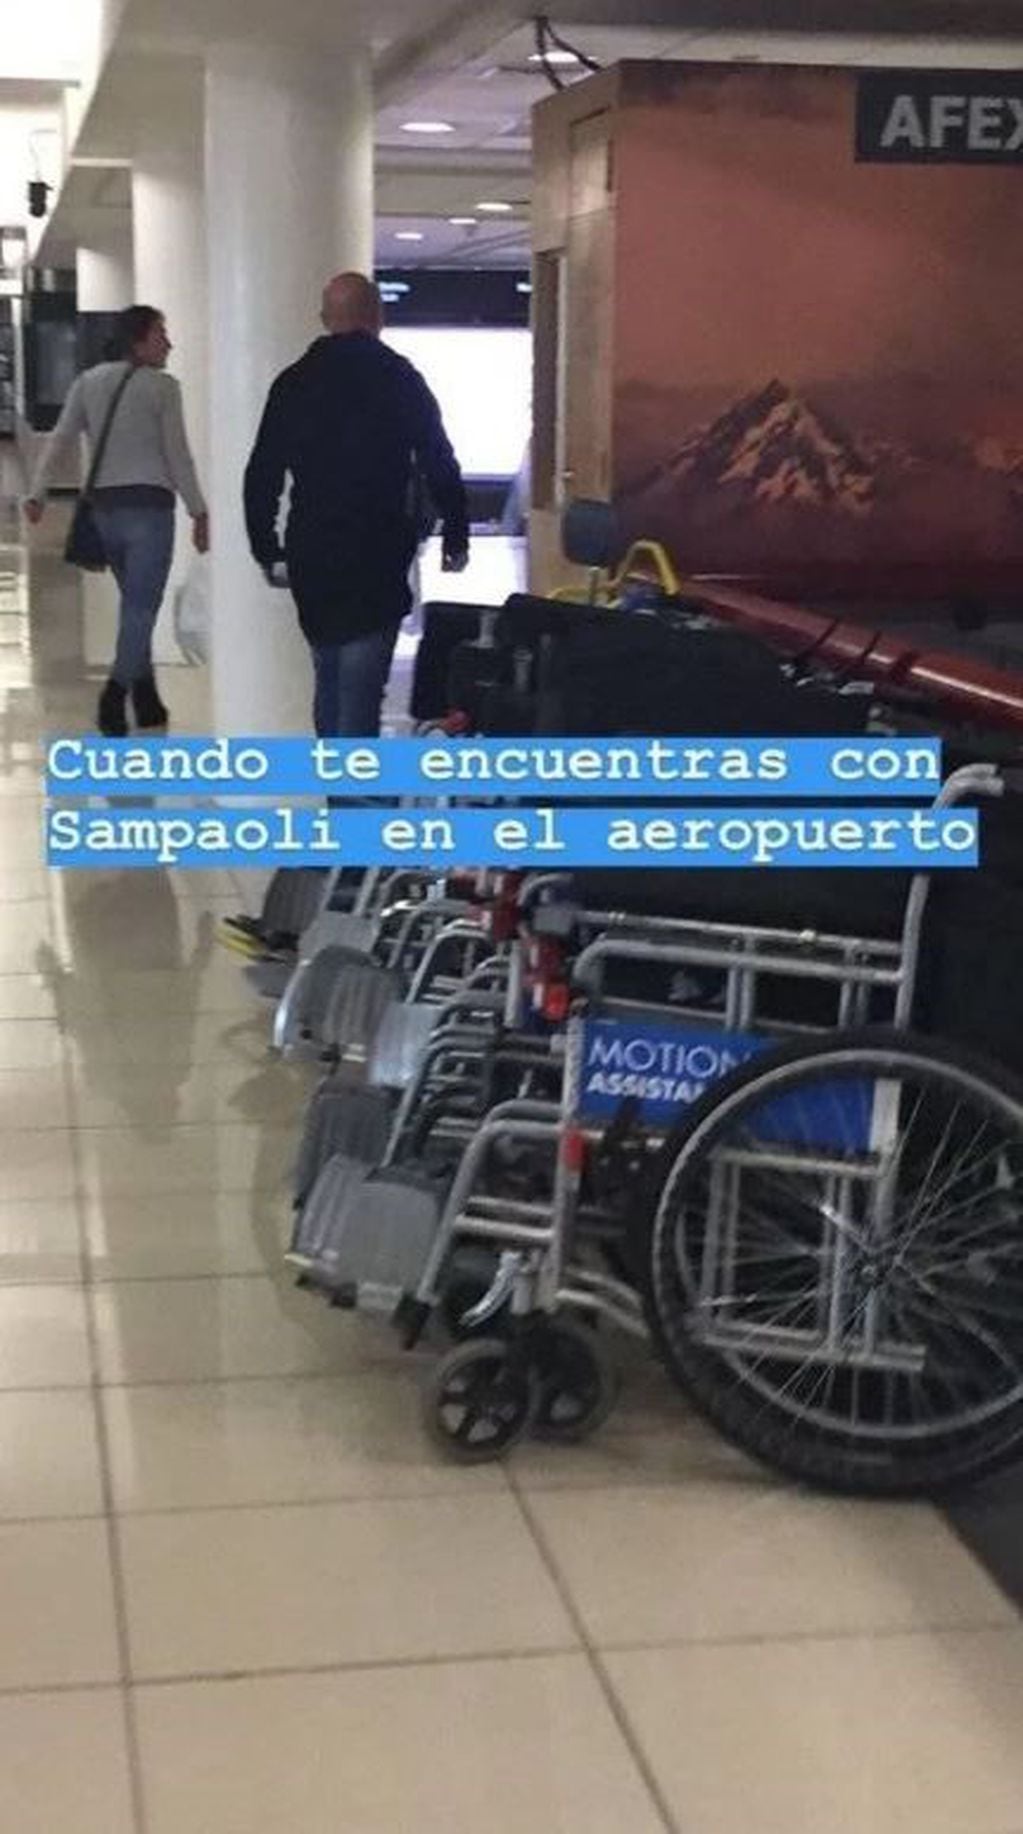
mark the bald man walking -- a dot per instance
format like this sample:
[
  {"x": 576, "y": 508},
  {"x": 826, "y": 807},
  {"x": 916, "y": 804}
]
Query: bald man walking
[{"x": 357, "y": 430}]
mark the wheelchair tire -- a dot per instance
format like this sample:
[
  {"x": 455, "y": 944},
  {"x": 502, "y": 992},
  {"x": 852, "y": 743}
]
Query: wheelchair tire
[
  {"x": 480, "y": 1401},
  {"x": 577, "y": 1384},
  {"x": 848, "y": 1314}
]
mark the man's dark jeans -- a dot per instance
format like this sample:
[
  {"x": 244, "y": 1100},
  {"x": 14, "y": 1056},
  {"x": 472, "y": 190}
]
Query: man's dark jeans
[{"x": 351, "y": 679}]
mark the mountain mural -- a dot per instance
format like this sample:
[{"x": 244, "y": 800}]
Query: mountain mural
[
  {"x": 775, "y": 475},
  {"x": 776, "y": 450}
]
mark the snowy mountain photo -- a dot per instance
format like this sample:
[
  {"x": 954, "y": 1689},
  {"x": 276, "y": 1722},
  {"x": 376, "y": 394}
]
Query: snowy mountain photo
[{"x": 780, "y": 473}]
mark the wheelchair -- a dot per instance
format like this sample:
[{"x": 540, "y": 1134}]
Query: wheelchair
[{"x": 745, "y": 1157}]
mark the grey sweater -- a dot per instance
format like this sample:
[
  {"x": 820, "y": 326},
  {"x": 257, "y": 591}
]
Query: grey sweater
[{"x": 148, "y": 443}]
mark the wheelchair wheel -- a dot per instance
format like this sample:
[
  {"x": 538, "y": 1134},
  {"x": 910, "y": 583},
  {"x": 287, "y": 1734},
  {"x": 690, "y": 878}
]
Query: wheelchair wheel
[
  {"x": 577, "y": 1384},
  {"x": 837, "y": 1263},
  {"x": 480, "y": 1401}
]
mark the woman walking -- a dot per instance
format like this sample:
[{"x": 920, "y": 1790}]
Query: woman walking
[{"x": 131, "y": 411}]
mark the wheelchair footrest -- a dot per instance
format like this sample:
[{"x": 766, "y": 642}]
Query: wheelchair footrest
[
  {"x": 269, "y": 978},
  {"x": 335, "y": 1002},
  {"x": 373, "y": 1230},
  {"x": 401, "y": 1038},
  {"x": 357, "y": 997},
  {"x": 336, "y": 930},
  {"x": 342, "y": 1119}
]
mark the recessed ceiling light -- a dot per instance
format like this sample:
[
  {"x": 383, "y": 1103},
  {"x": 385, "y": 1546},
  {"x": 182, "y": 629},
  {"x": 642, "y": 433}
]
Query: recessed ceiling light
[
  {"x": 555, "y": 57},
  {"x": 463, "y": 222},
  {"x": 493, "y": 208},
  {"x": 408, "y": 235},
  {"x": 427, "y": 127}
]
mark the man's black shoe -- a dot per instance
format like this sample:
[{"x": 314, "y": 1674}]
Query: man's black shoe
[
  {"x": 150, "y": 711},
  {"x": 110, "y": 714}
]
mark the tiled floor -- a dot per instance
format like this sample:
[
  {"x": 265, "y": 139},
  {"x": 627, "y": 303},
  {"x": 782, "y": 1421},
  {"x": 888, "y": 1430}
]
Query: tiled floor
[{"x": 239, "y": 1594}]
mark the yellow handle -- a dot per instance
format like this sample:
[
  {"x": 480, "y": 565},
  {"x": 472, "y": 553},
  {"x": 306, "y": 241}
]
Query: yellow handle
[{"x": 644, "y": 558}]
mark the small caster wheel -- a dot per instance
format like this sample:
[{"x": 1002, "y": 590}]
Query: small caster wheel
[
  {"x": 479, "y": 1401},
  {"x": 577, "y": 1385}
]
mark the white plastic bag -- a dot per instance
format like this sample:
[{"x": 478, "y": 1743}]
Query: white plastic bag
[{"x": 192, "y": 612}]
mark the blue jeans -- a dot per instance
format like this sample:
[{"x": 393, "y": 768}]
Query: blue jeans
[
  {"x": 140, "y": 547},
  {"x": 350, "y": 682}
]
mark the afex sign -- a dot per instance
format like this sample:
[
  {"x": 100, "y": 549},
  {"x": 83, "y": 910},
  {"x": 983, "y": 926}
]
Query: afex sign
[{"x": 941, "y": 117}]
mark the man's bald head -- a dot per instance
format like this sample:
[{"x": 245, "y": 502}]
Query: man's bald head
[{"x": 351, "y": 302}]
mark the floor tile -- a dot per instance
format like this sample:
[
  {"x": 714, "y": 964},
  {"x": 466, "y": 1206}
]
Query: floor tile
[
  {"x": 120, "y": 1161},
  {"x": 203, "y": 888},
  {"x": 64, "y": 1764},
  {"x": 230, "y": 1443},
  {"x": 213, "y": 986},
  {"x": 26, "y": 996},
  {"x": 710, "y": 1561},
  {"x": 44, "y": 1339},
  {"x": 150, "y": 887},
  {"x": 244, "y": 1590},
  {"x": 192, "y": 1330},
  {"x": 134, "y": 924},
  {"x": 33, "y": 1099},
  {"x": 23, "y": 932},
  {"x": 27, "y": 884},
  {"x": 651, "y": 1437},
  {"x": 512, "y": 1747},
  {"x": 24, "y": 844},
  {"x": 147, "y": 1095},
  {"x": 39, "y": 1240},
  {"x": 49, "y": 1455},
  {"x": 199, "y": 1233},
  {"x": 30, "y": 1044},
  {"x": 37, "y": 1164},
  {"x": 56, "y": 1605},
  {"x": 181, "y": 1039},
  {"x": 618, "y": 1457},
  {"x": 902, "y": 1735}
]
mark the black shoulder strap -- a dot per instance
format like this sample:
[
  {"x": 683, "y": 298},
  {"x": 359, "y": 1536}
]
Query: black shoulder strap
[{"x": 99, "y": 451}]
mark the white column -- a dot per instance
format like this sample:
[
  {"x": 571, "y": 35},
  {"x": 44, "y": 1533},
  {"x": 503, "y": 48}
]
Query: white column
[
  {"x": 288, "y": 204},
  {"x": 105, "y": 277},
  {"x": 289, "y": 190},
  {"x": 169, "y": 228}
]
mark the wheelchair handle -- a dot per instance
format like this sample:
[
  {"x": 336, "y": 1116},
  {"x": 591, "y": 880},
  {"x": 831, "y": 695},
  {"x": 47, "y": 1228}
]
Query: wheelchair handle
[{"x": 646, "y": 560}]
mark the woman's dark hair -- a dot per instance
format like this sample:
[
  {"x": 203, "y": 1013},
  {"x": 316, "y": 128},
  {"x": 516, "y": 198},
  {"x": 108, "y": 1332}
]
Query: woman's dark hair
[{"x": 133, "y": 326}]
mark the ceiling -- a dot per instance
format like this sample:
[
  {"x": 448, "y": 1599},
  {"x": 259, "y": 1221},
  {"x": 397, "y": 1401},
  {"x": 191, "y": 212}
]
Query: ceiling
[
  {"x": 191, "y": 25},
  {"x": 470, "y": 66},
  {"x": 489, "y": 97}
]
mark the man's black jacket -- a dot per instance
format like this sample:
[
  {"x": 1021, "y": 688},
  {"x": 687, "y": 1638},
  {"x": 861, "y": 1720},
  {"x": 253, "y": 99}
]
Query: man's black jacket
[{"x": 354, "y": 425}]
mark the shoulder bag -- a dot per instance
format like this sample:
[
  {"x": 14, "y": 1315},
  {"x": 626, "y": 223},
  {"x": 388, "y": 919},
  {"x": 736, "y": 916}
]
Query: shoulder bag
[{"x": 84, "y": 546}]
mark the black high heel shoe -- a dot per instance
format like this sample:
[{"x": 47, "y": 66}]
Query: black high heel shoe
[
  {"x": 111, "y": 715},
  {"x": 150, "y": 712}
]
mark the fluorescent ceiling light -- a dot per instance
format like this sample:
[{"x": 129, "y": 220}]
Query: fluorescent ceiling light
[
  {"x": 463, "y": 222},
  {"x": 555, "y": 57},
  {"x": 493, "y": 208},
  {"x": 427, "y": 127},
  {"x": 408, "y": 235}
]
